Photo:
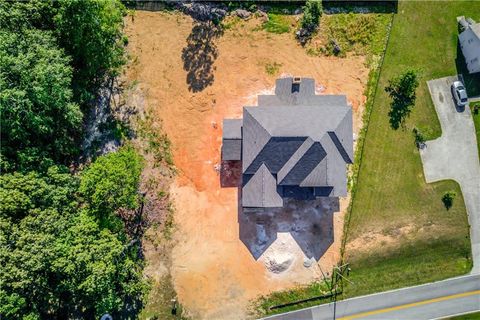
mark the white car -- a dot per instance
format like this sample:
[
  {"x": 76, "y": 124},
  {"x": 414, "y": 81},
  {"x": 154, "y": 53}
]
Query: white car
[{"x": 459, "y": 93}]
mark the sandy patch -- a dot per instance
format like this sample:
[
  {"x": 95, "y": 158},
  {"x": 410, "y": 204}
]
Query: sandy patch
[
  {"x": 215, "y": 267},
  {"x": 392, "y": 238}
]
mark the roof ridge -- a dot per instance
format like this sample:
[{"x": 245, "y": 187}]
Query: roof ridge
[{"x": 245, "y": 164}]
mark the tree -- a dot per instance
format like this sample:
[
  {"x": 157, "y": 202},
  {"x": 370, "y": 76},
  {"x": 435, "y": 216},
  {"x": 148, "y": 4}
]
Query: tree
[
  {"x": 57, "y": 261},
  {"x": 22, "y": 193},
  {"x": 402, "y": 91},
  {"x": 312, "y": 11},
  {"x": 40, "y": 124},
  {"x": 91, "y": 33},
  {"x": 29, "y": 14},
  {"x": 111, "y": 182}
]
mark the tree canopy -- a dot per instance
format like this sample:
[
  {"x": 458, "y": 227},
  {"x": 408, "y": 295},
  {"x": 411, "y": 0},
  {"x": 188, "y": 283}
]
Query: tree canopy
[
  {"x": 90, "y": 32},
  {"x": 111, "y": 182},
  {"x": 58, "y": 257},
  {"x": 57, "y": 261},
  {"x": 40, "y": 123},
  {"x": 312, "y": 11}
]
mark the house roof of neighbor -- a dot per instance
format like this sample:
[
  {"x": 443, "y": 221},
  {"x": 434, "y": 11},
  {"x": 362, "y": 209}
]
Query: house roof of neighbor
[{"x": 296, "y": 139}]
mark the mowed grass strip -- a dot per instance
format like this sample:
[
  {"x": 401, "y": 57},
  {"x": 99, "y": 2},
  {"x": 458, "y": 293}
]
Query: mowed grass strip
[
  {"x": 391, "y": 191},
  {"x": 475, "y": 108}
]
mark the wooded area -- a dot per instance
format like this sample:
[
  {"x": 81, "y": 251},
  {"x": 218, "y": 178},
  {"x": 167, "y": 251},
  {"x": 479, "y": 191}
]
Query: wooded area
[{"x": 64, "y": 249}]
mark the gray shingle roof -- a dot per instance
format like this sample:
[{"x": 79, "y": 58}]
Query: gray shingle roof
[
  {"x": 294, "y": 143},
  {"x": 298, "y": 121},
  {"x": 261, "y": 190},
  {"x": 231, "y": 149},
  {"x": 294, "y": 159},
  {"x": 308, "y": 162},
  {"x": 257, "y": 138},
  {"x": 275, "y": 153},
  {"x": 232, "y": 128}
]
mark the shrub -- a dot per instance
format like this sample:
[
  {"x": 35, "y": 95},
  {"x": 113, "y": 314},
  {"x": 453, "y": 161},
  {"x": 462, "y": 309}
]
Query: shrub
[
  {"x": 272, "y": 68},
  {"x": 476, "y": 108},
  {"x": 447, "y": 199},
  {"x": 419, "y": 138}
]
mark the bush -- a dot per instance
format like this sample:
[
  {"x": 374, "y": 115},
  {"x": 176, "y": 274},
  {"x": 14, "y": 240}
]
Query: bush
[
  {"x": 447, "y": 199},
  {"x": 272, "y": 68},
  {"x": 419, "y": 138},
  {"x": 476, "y": 108}
]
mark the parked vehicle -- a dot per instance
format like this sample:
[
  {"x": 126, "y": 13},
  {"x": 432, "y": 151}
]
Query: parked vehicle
[{"x": 459, "y": 93}]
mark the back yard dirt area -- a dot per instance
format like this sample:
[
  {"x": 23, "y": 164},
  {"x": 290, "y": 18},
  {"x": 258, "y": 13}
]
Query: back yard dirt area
[{"x": 193, "y": 75}]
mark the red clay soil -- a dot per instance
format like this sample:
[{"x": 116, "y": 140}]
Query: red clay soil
[{"x": 214, "y": 272}]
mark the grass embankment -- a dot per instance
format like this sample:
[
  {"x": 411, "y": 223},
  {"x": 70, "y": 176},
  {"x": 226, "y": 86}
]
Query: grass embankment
[
  {"x": 392, "y": 200},
  {"x": 475, "y": 108}
]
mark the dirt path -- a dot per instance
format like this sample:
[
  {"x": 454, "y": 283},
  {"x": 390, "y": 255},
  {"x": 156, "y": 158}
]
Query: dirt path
[{"x": 214, "y": 272}]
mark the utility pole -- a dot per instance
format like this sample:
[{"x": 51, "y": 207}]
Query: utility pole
[{"x": 337, "y": 278}]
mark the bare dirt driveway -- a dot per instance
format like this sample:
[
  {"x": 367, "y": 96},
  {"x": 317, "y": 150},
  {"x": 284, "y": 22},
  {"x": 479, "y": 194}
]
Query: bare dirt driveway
[
  {"x": 454, "y": 156},
  {"x": 192, "y": 76}
]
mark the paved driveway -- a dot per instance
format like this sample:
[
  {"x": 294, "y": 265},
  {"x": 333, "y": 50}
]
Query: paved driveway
[{"x": 454, "y": 156}]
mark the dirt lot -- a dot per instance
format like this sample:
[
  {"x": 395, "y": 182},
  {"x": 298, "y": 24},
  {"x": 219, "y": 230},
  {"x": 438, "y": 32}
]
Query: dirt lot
[{"x": 193, "y": 75}]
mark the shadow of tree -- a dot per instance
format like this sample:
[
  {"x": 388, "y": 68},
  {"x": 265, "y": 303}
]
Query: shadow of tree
[
  {"x": 200, "y": 54},
  {"x": 397, "y": 114}
]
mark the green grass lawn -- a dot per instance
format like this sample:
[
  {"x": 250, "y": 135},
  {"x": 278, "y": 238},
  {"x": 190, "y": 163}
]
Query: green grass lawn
[
  {"x": 470, "y": 316},
  {"x": 475, "y": 107},
  {"x": 391, "y": 190},
  {"x": 277, "y": 23}
]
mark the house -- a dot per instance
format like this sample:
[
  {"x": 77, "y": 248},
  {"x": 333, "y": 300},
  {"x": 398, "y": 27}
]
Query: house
[
  {"x": 469, "y": 40},
  {"x": 294, "y": 144}
]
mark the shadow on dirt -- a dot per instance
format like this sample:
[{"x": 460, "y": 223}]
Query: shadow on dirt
[
  {"x": 199, "y": 55},
  {"x": 310, "y": 222}
]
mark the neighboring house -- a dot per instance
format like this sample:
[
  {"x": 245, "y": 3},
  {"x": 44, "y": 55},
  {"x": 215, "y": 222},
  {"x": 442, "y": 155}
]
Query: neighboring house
[
  {"x": 294, "y": 144},
  {"x": 470, "y": 43}
]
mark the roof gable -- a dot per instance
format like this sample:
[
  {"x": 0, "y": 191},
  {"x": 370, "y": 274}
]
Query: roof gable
[{"x": 261, "y": 190}]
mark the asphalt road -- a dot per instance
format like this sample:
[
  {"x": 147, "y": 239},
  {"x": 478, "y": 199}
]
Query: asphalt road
[
  {"x": 454, "y": 156},
  {"x": 430, "y": 301}
]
